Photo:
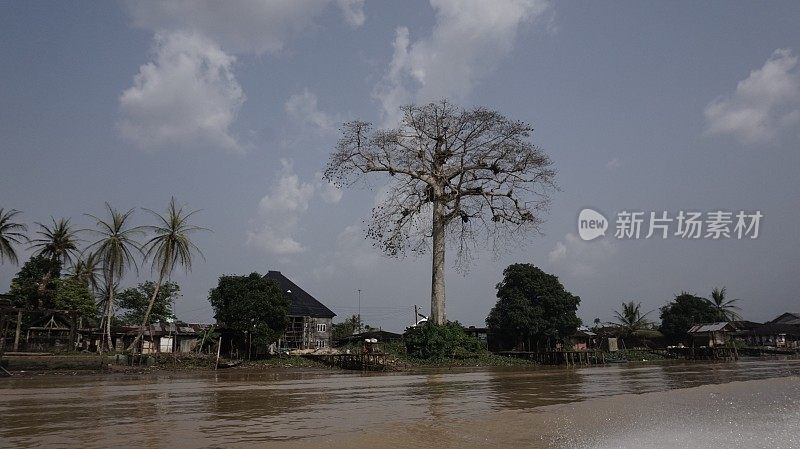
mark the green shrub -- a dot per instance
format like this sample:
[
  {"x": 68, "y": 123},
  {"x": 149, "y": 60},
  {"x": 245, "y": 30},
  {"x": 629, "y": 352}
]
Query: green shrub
[{"x": 431, "y": 341}]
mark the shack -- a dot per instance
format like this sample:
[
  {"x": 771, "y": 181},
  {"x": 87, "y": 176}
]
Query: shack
[
  {"x": 481, "y": 333},
  {"x": 711, "y": 334},
  {"x": 583, "y": 339},
  {"x": 165, "y": 337},
  {"x": 380, "y": 335}
]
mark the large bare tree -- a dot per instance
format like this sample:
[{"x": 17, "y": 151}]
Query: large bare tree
[{"x": 470, "y": 177}]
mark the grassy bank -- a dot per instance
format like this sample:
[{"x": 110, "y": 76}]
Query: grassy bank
[
  {"x": 400, "y": 360},
  {"x": 83, "y": 363}
]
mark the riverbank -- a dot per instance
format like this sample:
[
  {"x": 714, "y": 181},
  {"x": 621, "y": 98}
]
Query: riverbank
[{"x": 83, "y": 363}]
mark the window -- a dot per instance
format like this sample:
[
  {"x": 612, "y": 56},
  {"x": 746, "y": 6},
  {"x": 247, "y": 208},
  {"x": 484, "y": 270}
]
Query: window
[
  {"x": 319, "y": 343},
  {"x": 322, "y": 327}
]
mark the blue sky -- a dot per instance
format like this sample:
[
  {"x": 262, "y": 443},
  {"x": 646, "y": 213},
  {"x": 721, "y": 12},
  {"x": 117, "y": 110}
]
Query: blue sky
[{"x": 233, "y": 108}]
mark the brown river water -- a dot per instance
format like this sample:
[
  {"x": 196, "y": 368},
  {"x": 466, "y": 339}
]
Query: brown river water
[{"x": 489, "y": 407}]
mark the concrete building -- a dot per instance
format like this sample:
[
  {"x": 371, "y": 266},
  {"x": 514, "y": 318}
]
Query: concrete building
[{"x": 309, "y": 325}]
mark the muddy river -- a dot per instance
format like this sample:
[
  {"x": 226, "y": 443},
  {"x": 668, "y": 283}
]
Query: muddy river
[{"x": 335, "y": 408}]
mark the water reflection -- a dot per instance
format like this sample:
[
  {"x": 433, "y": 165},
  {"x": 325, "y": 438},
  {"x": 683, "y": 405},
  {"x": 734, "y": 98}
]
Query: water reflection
[{"x": 213, "y": 409}]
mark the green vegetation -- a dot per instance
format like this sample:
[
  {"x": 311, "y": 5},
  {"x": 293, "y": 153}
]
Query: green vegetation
[
  {"x": 170, "y": 246},
  {"x": 533, "y": 308},
  {"x": 11, "y": 234},
  {"x": 682, "y": 313},
  {"x": 74, "y": 295},
  {"x": 348, "y": 327},
  {"x": 94, "y": 272},
  {"x": 401, "y": 360},
  {"x": 726, "y": 309},
  {"x": 58, "y": 244},
  {"x": 115, "y": 246},
  {"x": 32, "y": 287},
  {"x": 250, "y": 304},
  {"x": 432, "y": 341},
  {"x": 630, "y": 320},
  {"x": 136, "y": 300}
]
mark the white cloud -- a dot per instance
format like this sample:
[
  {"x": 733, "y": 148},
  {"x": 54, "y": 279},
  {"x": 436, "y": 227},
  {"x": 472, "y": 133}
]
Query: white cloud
[
  {"x": 764, "y": 104},
  {"x": 303, "y": 108},
  {"x": 240, "y": 26},
  {"x": 279, "y": 212},
  {"x": 352, "y": 252},
  {"x": 327, "y": 190},
  {"x": 243, "y": 26},
  {"x": 186, "y": 97},
  {"x": 580, "y": 258},
  {"x": 613, "y": 164},
  {"x": 353, "y": 11},
  {"x": 467, "y": 42}
]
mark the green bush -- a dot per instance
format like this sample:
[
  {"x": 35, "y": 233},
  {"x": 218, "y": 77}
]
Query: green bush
[{"x": 431, "y": 341}]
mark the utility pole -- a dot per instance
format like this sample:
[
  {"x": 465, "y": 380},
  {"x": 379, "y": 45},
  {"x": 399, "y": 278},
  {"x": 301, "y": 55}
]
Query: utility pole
[
  {"x": 359, "y": 310},
  {"x": 416, "y": 313}
]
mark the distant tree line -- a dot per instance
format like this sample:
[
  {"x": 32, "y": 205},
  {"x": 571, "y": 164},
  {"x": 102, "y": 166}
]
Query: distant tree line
[{"x": 70, "y": 273}]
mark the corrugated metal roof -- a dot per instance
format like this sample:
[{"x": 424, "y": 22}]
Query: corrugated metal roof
[
  {"x": 167, "y": 328},
  {"x": 708, "y": 327}
]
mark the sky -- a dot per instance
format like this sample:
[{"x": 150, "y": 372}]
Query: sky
[{"x": 234, "y": 107}]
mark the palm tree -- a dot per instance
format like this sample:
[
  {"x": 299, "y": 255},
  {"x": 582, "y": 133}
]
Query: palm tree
[
  {"x": 726, "y": 309},
  {"x": 169, "y": 247},
  {"x": 88, "y": 270},
  {"x": 630, "y": 319},
  {"x": 115, "y": 246},
  {"x": 104, "y": 291},
  {"x": 58, "y": 243},
  {"x": 11, "y": 233}
]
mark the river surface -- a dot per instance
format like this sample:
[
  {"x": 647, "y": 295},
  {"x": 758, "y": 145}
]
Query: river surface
[{"x": 262, "y": 408}]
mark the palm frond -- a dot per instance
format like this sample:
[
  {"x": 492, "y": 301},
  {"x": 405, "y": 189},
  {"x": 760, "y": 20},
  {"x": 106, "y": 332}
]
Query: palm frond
[{"x": 11, "y": 233}]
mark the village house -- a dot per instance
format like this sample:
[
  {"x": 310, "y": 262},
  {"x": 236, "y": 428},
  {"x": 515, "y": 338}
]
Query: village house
[
  {"x": 164, "y": 338},
  {"x": 787, "y": 318},
  {"x": 583, "y": 339},
  {"x": 711, "y": 334},
  {"x": 783, "y": 332},
  {"x": 309, "y": 325},
  {"x": 481, "y": 333}
]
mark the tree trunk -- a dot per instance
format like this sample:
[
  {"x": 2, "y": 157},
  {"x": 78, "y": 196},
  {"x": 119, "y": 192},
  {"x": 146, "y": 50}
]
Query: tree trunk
[
  {"x": 17, "y": 332},
  {"x": 132, "y": 346},
  {"x": 110, "y": 306},
  {"x": 43, "y": 288},
  {"x": 437, "y": 278},
  {"x": 73, "y": 330}
]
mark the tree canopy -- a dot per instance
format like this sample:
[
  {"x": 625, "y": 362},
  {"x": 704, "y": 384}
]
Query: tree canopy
[
  {"x": 532, "y": 306},
  {"x": 134, "y": 301},
  {"x": 630, "y": 320},
  {"x": 35, "y": 284},
  {"x": 252, "y": 304},
  {"x": 73, "y": 294},
  {"x": 12, "y": 233},
  {"x": 682, "y": 313},
  {"x": 727, "y": 310},
  {"x": 348, "y": 327},
  {"x": 470, "y": 176}
]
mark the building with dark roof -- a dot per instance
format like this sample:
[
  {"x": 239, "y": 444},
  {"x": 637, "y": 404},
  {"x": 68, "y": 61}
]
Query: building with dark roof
[
  {"x": 310, "y": 321},
  {"x": 787, "y": 318}
]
